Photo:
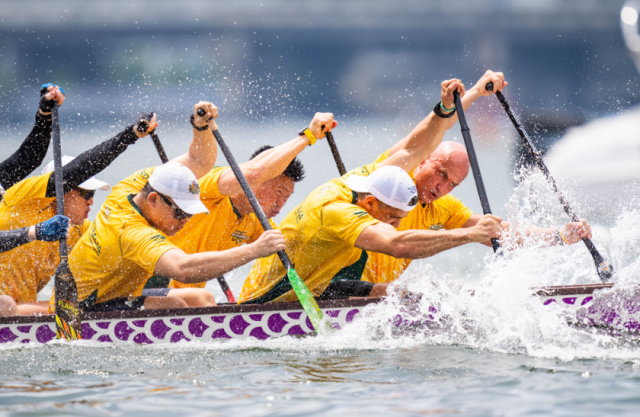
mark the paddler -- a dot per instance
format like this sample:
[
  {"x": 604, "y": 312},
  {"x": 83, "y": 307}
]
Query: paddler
[
  {"x": 435, "y": 178},
  {"x": 128, "y": 243},
  {"x": 271, "y": 173},
  {"x": 31, "y": 153},
  {"x": 25, "y": 270},
  {"x": 22, "y": 163},
  {"x": 329, "y": 233}
]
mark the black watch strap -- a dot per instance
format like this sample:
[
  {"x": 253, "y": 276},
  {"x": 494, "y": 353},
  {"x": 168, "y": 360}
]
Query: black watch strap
[
  {"x": 438, "y": 111},
  {"x": 200, "y": 129}
]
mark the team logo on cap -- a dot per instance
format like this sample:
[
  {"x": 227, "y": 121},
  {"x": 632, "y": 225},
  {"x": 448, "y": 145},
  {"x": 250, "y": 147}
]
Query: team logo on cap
[{"x": 194, "y": 188}]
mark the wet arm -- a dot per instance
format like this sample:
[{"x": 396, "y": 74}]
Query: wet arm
[
  {"x": 91, "y": 162},
  {"x": 10, "y": 239},
  {"x": 411, "y": 244},
  {"x": 204, "y": 266},
  {"x": 267, "y": 165},
  {"x": 426, "y": 136},
  {"x": 202, "y": 154},
  {"x": 29, "y": 155},
  {"x": 546, "y": 236}
]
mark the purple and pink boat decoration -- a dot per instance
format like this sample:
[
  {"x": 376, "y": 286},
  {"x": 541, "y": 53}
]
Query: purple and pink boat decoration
[{"x": 280, "y": 319}]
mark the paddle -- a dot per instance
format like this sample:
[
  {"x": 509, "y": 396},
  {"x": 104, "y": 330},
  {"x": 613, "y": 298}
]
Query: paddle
[
  {"x": 156, "y": 142},
  {"x": 163, "y": 157},
  {"x": 304, "y": 295},
  {"x": 336, "y": 154},
  {"x": 605, "y": 270},
  {"x": 68, "y": 325},
  {"x": 473, "y": 161}
]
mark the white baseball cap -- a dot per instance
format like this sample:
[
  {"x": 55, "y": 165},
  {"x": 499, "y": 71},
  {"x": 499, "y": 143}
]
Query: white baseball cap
[
  {"x": 390, "y": 184},
  {"x": 91, "y": 184},
  {"x": 178, "y": 182}
]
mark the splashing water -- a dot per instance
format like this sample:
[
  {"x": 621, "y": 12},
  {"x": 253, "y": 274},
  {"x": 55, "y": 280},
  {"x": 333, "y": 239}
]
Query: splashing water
[{"x": 497, "y": 311}]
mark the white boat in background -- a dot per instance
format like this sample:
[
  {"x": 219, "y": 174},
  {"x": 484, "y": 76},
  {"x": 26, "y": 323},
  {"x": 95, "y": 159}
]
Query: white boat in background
[
  {"x": 600, "y": 163},
  {"x": 601, "y": 159}
]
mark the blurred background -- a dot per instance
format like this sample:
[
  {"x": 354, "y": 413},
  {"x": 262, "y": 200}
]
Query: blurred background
[{"x": 377, "y": 65}]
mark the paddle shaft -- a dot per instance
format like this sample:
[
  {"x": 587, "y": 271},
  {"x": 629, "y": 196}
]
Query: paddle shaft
[
  {"x": 163, "y": 157},
  {"x": 156, "y": 142},
  {"x": 57, "y": 172},
  {"x": 605, "y": 271},
  {"x": 67, "y": 312},
  {"x": 473, "y": 161},
  {"x": 336, "y": 155}
]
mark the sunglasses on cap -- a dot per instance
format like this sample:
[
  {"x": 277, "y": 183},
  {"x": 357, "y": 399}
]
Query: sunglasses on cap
[
  {"x": 86, "y": 194},
  {"x": 178, "y": 213},
  {"x": 413, "y": 201}
]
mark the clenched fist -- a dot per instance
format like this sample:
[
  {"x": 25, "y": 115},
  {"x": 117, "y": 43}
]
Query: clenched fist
[
  {"x": 321, "y": 123},
  {"x": 487, "y": 228},
  {"x": 575, "y": 232},
  {"x": 446, "y": 91},
  {"x": 210, "y": 114},
  {"x": 269, "y": 243}
]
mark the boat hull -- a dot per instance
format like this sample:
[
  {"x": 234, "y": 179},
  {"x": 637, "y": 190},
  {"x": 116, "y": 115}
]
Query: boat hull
[
  {"x": 233, "y": 321},
  {"x": 172, "y": 326}
]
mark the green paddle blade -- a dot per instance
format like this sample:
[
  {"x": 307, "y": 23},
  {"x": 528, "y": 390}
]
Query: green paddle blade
[
  {"x": 309, "y": 304},
  {"x": 68, "y": 324}
]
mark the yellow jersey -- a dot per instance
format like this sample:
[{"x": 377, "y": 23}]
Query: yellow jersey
[
  {"x": 120, "y": 250},
  {"x": 320, "y": 235},
  {"x": 223, "y": 228},
  {"x": 25, "y": 270},
  {"x": 445, "y": 213}
]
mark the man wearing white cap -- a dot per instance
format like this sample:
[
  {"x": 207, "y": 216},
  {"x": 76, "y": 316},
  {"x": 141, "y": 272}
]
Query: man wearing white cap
[
  {"x": 329, "y": 233},
  {"x": 128, "y": 243},
  {"x": 25, "y": 270}
]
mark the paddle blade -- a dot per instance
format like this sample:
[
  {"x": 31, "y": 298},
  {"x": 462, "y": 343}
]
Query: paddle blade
[
  {"x": 68, "y": 324},
  {"x": 605, "y": 270},
  {"x": 309, "y": 304}
]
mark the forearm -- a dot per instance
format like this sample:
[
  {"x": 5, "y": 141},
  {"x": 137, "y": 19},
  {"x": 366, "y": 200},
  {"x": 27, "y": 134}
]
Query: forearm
[
  {"x": 418, "y": 244},
  {"x": 516, "y": 237},
  {"x": 91, "y": 162},
  {"x": 205, "y": 266},
  {"x": 276, "y": 160},
  {"x": 10, "y": 239},
  {"x": 421, "y": 142},
  {"x": 202, "y": 154},
  {"x": 29, "y": 156}
]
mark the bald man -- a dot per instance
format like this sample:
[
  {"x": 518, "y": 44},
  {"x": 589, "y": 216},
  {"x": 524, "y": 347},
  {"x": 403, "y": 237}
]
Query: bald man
[{"x": 435, "y": 178}]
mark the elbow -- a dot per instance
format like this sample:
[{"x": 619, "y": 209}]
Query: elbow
[{"x": 181, "y": 271}]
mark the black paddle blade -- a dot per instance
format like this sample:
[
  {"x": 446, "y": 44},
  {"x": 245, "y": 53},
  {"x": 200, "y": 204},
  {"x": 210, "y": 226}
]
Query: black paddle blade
[
  {"x": 605, "y": 270},
  {"x": 67, "y": 309}
]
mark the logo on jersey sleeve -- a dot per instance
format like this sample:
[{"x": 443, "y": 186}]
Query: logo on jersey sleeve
[
  {"x": 239, "y": 237},
  {"x": 360, "y": 213},
  {"x": 158, "y": 238}
]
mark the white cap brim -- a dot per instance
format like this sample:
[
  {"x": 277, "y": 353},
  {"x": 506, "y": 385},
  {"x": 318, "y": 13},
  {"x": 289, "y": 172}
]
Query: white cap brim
[
  {"x": 191, "y": 206},
  {"x": 358, "y": 183},
  {"x": 93, "y": 184}
]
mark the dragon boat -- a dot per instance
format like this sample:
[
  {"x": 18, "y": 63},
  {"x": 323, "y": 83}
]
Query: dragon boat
[{"x": 231, "y": 321}]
